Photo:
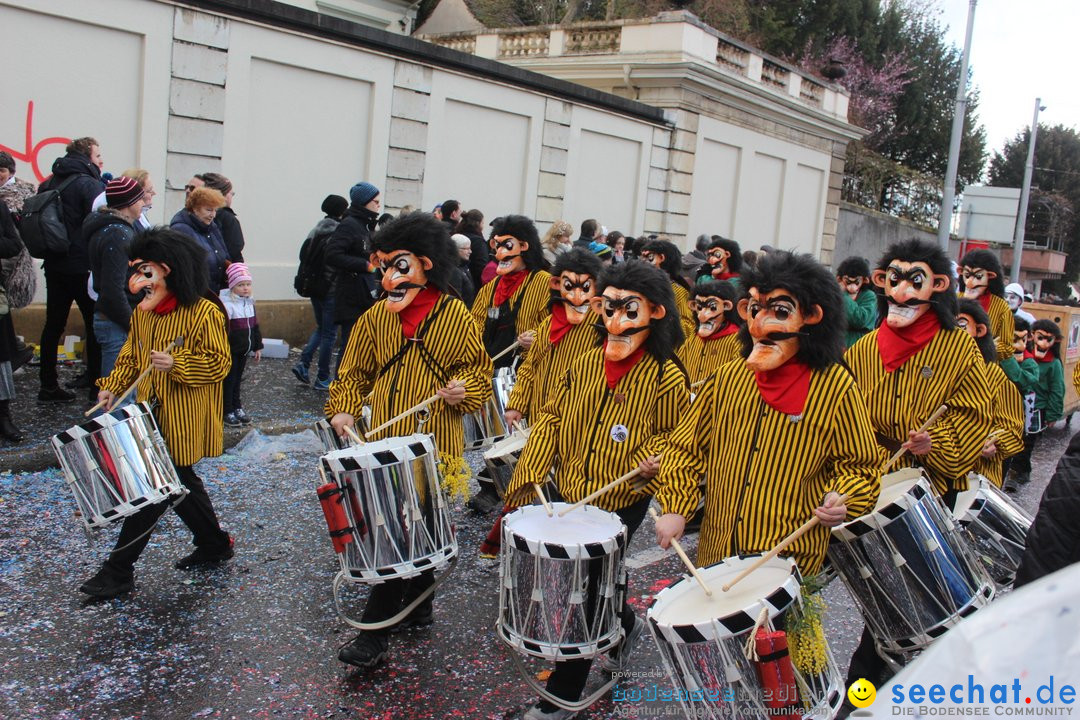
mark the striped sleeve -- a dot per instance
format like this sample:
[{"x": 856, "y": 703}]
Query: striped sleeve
[
  {"x": 356, "y": 373},
  {"x": 522, "y": 393},
  {"x": 683, "y": 462},
  {"x": 126, "y": 368},
  {"x": 473, "y": 366},
  {"x": 1002, "y": 327},
  {"x": 1008, "y": 417},
  {"x": 484, "y": 297},
  {"x": 538, "y": 456},
  {"x": 682, "y": 303},
  {"x": 535, "y": 306},
  {"x": 854, "y": 456},
  {"x": 957, "y": 438},
  {"x": 204, "y": 357}
]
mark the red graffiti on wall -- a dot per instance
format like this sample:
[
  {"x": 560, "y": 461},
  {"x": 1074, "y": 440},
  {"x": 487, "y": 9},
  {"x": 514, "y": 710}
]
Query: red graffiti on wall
[{"x": 32, "y": 150}]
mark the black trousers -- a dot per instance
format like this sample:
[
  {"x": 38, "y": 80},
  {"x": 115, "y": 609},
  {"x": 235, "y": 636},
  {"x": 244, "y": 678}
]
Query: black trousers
[
  {"x": 230, "y": 388},
  {"x": 62, "y": 289},
  {"x": 195, "y": 510},
  {"x": 1021, "y": 462},
  {"x": 569, "y": 678},
  {"x": 388, "y": 598}
]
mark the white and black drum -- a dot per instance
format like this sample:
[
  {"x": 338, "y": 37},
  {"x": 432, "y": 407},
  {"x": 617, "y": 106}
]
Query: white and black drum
[
  {"x": 562, "y": 581},
  {"x": 385, "y": 509},
  {"x": 116, "y": 464},
  {"x": 331, "y": 440},
  {"x": 501, "y": 458},
  {"x": 703, "y": 643},
  {"x": 908, "y": 566},
  {"x": 487, "y": 425},
  {"x": 996, "y": 526}
]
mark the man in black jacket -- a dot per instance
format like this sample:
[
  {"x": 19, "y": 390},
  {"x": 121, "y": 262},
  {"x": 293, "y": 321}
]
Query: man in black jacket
[
  {"x": 348, "y": 251},
  {"x": 1053, "y": 542},
  {"x": 66, "y": 274}
]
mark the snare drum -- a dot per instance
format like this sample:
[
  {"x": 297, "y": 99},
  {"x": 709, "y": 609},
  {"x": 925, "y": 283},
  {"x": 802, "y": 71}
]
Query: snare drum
[
  {"x": 500, "y": 460},
  {"x": 702, "y": 642},
  {"x": 116, "y": 464},
  {"x": 331, "y": 440},
  {"x": 909, "y": 568},
  {"x": 996, "y": 526},
  {"x": 487, "y": 425},
  {"x": 385, "y": 509},
  {"x": 562, "y": 582}
]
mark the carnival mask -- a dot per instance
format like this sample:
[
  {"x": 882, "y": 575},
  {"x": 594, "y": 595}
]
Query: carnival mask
[
  {"x": 509, "y": 253},
  {"x": 576, "y": 290},
  {"x": 653, "y": 258},
  {"x": 1020, "y": 341},
  {"x": 710, "y": 313},
  {"x": 968, "y": 324},
  {"x": 909, "y": 288},
  {"x": 775, "y": 322},
  {"x": 149, "y": 280},
  {"x": 717, "y": 258},
  {"x": 627, "y": 316},
  {"x": 852, "y": 285},
  {"x": 1044, "y": 343},
  {"x": 976, "y": 281},
  {"x": 404, "y": 276},
  {"x": 1014, "y": 301}
]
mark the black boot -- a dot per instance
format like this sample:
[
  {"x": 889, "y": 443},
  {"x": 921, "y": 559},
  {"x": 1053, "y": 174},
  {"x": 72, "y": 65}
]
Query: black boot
[{"x": 8, "y": 428}]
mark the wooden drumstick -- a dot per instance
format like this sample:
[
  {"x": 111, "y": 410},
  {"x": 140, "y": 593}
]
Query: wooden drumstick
[
  {"x": 781, "y": 546},
  {"x": 922, "y": 428},
  {"x": 351, "y": 432},
  {"x": 593, "y": 495},
  {"x": 509, "y": 348},
  {"x": 415, "y": 408},
  {"x": 543, "y": 500},
  {"x": 699, "y": 383},
  {"x": 682, "y": 556},
  {"x": 168, "y": 349}
]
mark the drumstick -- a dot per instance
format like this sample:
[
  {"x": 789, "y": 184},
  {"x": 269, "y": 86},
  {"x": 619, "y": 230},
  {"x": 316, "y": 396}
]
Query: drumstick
[
  {"x": 543, "y": 500},
  {"x": 699, "y": 383},
  {"x": 508, "y": 348},
  {"x": 142, "y": 375},
  {"x": 922, "y": 428},
  {"x": 351, "y": 432},
  {"x": 415, "y": 408},
  {"x": 798, "y": 533},
  {"x": 592, "y": 496},
  {"x": 682, "y": 556}
]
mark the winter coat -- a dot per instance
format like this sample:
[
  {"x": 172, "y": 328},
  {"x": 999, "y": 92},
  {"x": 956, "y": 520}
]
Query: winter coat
[
  {"x": 861, "y": 315},
  {"x": 463, "y": 284},
  {"x": 108, "y": 239},
  {"x": 348, "y": 252},
  {"x": 244, "y": 334},
  {"x": 324, "y": 229},
  {"x": 1054, "y": 538},
  {"x": 478, "y": 258},
  {"x": 78, "y": 202},
  {"x": 212, "y": 241},
  {"x": 1050, "y": 391},
  {"x": 231, "y": 233}
]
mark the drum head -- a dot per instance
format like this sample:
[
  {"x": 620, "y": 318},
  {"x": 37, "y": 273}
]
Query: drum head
[
  {"x": 595, "y": 530},
  {"x": 508, "y": 446},
  {"x": 686, "y": 612},
  {"x": 965, "y": 499},
  {"x": 895, "y": 499}
]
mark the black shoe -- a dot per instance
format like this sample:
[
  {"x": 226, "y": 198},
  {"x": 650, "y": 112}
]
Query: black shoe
[
  {"x": 55, "y": 395},
  {"x": 202, "y": 556},
  {"x": 9, "y": 430},
  {"x": 243, "y": 417},
  {"x": 107, "y": 585},
  {"x": 365, "y": 651},
  {"x": 484, "y": 501},
  {"x": 422, "y": 616},
  {"x": 79, "y": 382}
]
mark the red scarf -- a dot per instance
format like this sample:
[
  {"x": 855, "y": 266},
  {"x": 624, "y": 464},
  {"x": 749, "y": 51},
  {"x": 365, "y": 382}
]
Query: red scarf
[
  {"x": 725, "y": 276},
  {"x": 166, "y": 306},
  {"x": 1028, "y": 355},
  {"x": 896, "y": 346},
  {"x": 722, "y": 332},
  {"x": 559, "y": 324},
  {"x": 507, "y": 285},
  {"x": 785, "y": 388},
  {"x": 984, "y": 300},
  {"x": 414, "y": 313},
  {"x": 1047, "y": 358},
  {"x": 615, "y": 370}
]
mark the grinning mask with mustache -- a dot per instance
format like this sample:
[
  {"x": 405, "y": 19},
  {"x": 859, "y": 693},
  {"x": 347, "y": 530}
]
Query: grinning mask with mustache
[
  {"x": 509, "y": 253},
  {"x": 577, "y": 291},
  {"x": 627, "y": 317},
  {"x": 404, "y": 276},
  {"x": 148, "y": 279},
  {"x": 710, "y": 311},
  {"x": 717, "y": 258},
  {"x": 908, "y": 287},
  {"x": 775, "y": 322},
  {"x": 976, "y": 281},
  {"x": 1044, "y": 342}
]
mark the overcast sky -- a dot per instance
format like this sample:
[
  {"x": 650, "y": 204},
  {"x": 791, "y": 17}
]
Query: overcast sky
[{"x": 1020, "y": 50}]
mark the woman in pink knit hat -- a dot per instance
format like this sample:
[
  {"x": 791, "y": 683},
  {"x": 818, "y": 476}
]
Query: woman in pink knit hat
[{"x": 244, "y": 338}]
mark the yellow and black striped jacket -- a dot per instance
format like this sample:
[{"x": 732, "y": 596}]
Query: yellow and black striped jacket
[
  {"x": 948, "y": 371},
  {"x": 686, "y": 316},
  {"x": 1002, "y": 327},
  {"x": 594, "y": 435},
  {"x": 1076, "y": 378},
  {"x": 393, "y": 374},
  {"x": 190, "y": 414},
  {"x": 538, "y": 374},
  {"x": 534, "y": 297},
  {"x": 1007, "y": 409},
  {"x": 765, "y": 471},
  {"x": 702, "y": 358}
]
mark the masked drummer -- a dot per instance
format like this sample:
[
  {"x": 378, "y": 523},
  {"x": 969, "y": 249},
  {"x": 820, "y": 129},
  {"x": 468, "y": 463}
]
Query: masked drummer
[
  {"x": 609, "y": 414},
  {"x": 418, "y": 341},
  {"x": 170, "y": 274},
  {"x": 716, "y": 337},
  {"x": 983, "y": 281},
  {"x": 561, "y": 338},
  {"x": 782, "y": 436},
  {"x": 664, "y": 255}
]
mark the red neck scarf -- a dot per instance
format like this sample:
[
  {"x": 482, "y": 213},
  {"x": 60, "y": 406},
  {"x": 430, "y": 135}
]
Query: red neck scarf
[
  {"x": 559, "y": 324},
  {"x": 415, "y": 312},
  {"x": 615, "y": 370},
  {"x": 722, "y": 332},
  {"x": 785, "y": 388},
  {"x": 507, "y": 285},
  {"x": 896, "y": 346},
  {"x": 166, "y": 306},
  {"x": 984, "y": 300},
  {"x": 725, "y": 276},
  {"x": 1028, "y": 355},
  {"x": 1047, "y": 358}
]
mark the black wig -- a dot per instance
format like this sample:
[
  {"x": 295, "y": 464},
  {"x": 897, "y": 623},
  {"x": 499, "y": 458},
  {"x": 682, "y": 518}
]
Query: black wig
[
  {"x": 916, "y": 250},
  {"x": 854, "y": 266},
  {"x": 672, "y": 264},
  {"x": 424, "y": 236},
  {"x": 734, "y": 261},
  {"x": 809, "y": 283},
  {"x": 577, "y": 260},
  {"x": 987, "y": 261},
  {"x": 720, "y": 289},
  {"x": 665, "y": 335},
  {"x": 986, "y": 343},
  {"x": 188, "y": 277},
  {"x": 524, "y": 230}
]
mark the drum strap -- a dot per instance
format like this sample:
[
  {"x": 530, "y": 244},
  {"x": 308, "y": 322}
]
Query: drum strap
[{"x": 418, "y": 342}]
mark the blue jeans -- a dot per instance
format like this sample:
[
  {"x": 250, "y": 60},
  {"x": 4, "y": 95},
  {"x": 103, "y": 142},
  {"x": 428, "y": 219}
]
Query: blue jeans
[
  {"x": 322, "y": 338},
  {"x": 110, "y": 338}
]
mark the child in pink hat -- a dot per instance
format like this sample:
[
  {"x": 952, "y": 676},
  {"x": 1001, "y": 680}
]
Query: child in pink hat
[{"x": 244, "y": 338}]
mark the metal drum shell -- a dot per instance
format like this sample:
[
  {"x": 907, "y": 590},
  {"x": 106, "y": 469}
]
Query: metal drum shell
[{"x": 996, "y": 526}]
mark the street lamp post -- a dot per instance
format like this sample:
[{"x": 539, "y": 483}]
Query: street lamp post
[
  {"x": 948, "y": 193},
  {"x": 1025, "y": 192}
]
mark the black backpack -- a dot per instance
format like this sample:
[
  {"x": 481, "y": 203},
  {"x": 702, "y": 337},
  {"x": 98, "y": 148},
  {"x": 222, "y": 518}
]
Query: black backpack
[
  {"x": 310, "y": 280},
  {"x": 41, "y": 222}
]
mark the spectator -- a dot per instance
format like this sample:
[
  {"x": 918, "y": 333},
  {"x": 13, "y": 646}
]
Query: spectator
[
  {"x": 1014, "y": 295},
  {"x": 244, "y": 339},
  {"x": 383, "y": 220},
  {"x": 472, "y": 227},
  {"x": 750, "y": 258},
  {"x": 348, "y": 252},
  {"x": 322, "y": 298},
  {"x": 225, "y": 219},
  {"x": 196, "y": 221},
  {"x": 860, "y": 300},
  {"x": 67, "y": 274},
  {"x": 10, "y": 246},
  {"x": 557, "y": 240},
  {"x": 588, "y": 231},
  {"x": 437, "y": 212},
  {"x": 464, "y": 284},
  {"x": 451, "y": 214},
  {"x": 13, "y": 190},
  {"x": 601, "y": 251},
  {"x": 406, "y": 210},
  {"x": 601, "y": 235},
  {"x": 617, "y": 242}
]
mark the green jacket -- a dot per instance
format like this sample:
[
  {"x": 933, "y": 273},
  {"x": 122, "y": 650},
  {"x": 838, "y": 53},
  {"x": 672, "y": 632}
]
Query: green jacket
[
  {"x": 1050, "y": 391},
  {"x": 861, "y": 315},
  {"x": 1025, "y": 375}
]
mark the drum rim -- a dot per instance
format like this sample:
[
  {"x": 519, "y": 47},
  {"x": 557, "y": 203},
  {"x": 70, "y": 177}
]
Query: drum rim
[
  {"x": 401, "y": 447},
  {"x": 887, "y": 514},
  {"x": 559, "y": 550},
  {"x": 104, "y": 421}
]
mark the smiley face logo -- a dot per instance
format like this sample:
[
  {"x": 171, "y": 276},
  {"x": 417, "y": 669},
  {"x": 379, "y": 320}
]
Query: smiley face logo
[{"x": 862, "y": 693}]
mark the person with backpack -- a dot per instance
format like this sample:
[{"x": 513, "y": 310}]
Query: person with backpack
[
  {"x": 77, "y": 179},
  {"x": 316, "y": 281}
]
